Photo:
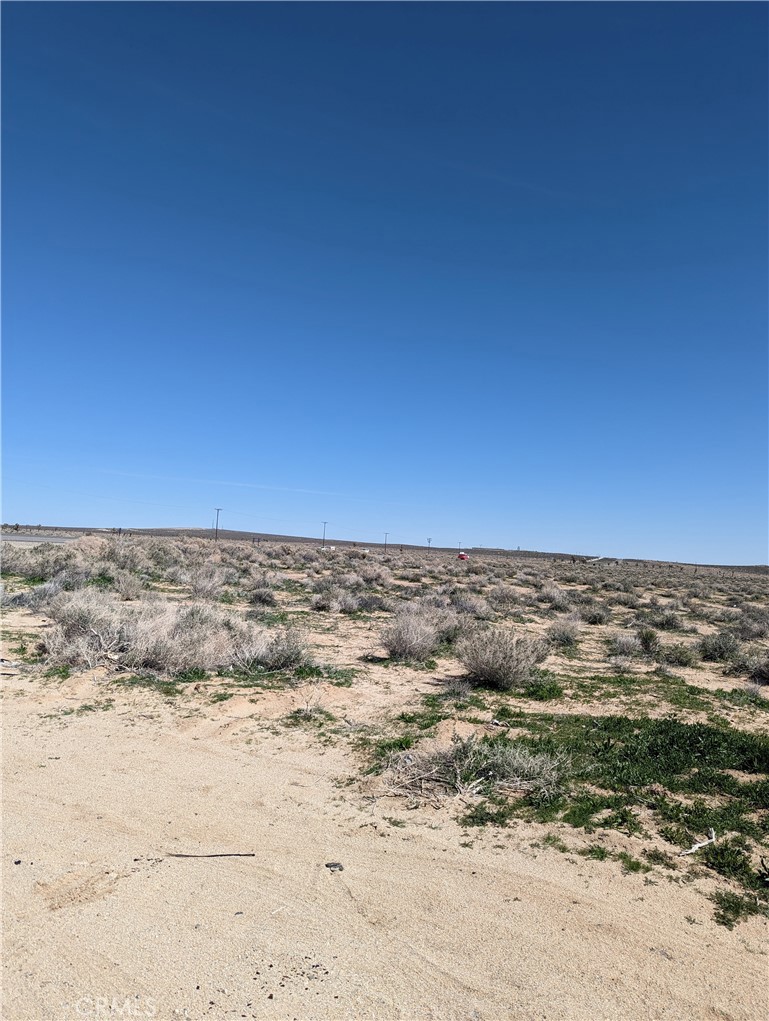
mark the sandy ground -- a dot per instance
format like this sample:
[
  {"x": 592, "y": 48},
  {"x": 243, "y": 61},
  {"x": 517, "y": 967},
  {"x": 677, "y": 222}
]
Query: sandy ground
[
  {"x": 104, "y": 786},
  {"x": 100, "y": 921}
]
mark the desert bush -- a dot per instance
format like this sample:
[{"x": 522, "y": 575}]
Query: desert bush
[
  {"x": 665, "y": 619},
  {"x": 753, "y": 623},
  {"x": 473, "y": 605},
  {"x": 206, "y": 582},
  {"x": 36, "y": 598},
  {"x": 410, "y": 636},
  {"x": 170, "y": 638},
  {"x": 500, "y": 658},
  {"x": 758, "y": 668},
  {"x": 627, "y": 645},
  {"x": 503, "y": 598},
  {"x": 595, "y": 613},
  {"x": 92, "y": 628},
  {"x": 418, "y": 630},
  {"x": 649, "y": 640},
  {"x": 127, "y": 585},
  {"x": 369, "y": 602},
  {"x": 752, "y": 662},
  {"x": 261, "y": 595},
  {"x": 553, "y": 594},
  {"x": 336, "y": 600},
  {"x": 376, "y": 574},
  {"x": 622, "y": 664},
  {"x": 87, "y": 630},
  {"x": 720, "y": 647},
  {"x": 676, "y": 655},
  {"x": 279, "y": 649},
  {"x": 470, "y": 766},
  {"x": 41, "y": 562},
  {"x": 564, "y": 633}
]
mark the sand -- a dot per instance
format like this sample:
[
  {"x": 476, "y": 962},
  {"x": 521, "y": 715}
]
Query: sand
[
  {"x": 99, "y": 919},
  {"x": 103, "y": 785}
]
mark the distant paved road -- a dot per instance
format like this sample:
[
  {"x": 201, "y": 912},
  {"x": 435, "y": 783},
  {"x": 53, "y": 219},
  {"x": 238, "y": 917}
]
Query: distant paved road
[{"x": 24, "y": 537}]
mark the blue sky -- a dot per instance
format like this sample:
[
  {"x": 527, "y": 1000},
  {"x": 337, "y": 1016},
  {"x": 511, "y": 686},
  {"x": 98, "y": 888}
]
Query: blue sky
[{"x": 489, "y": 273}]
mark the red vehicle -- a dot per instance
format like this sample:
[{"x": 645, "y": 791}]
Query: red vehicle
[{"x": 462, "y": 556}]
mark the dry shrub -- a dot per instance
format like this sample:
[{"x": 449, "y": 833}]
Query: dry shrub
[
  {"x": 503, "y": 598},
  {"x": 261, "y": 595},
  {"x": 564, "y": 633},
  {"x": 336, "y": 600},
  {"x": 92, "y": 628},
  {"x": 280, "y": 649},
  {"x": 127, "y": 585},
  {"x": 376, "y": 574},
  {"x": 44, "y": 561},
  {"x": 720, "y": 647},
  {"x": 87, "y": 630},
  {"x": 555, "y": 595},
  {"x": 626, "y": 646},
  {"x": 595, "y": 613},
  {"x": 469, "y": 766},
  {"x": 500, "y": 658},
  {"x": 473, "y": 605},
  {"x": 418, "y": 630},
  {"x": 753, "y": 623},
  {"x": 206, "y": 582},
  {"x": 36, "y": 598}
]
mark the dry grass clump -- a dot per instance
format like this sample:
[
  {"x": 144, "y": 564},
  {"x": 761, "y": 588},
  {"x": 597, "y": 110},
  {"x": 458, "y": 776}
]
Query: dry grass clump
[
  {"x": 469, "y": 766},
  {"x": 418, "y": 630},
  {"x": 500, "y": 658}
]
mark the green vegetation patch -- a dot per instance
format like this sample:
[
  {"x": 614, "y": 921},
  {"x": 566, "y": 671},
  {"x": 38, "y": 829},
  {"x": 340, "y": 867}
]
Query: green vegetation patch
[
  {"x": 163, "y": 687},
  {"x": 659, "y": 685}
]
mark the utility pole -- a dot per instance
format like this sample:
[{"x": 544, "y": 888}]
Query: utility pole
[
  {"x": 429, "y": 541},
  {"x": 324, "y": 534},
  {"x": 386, "y": 534},
  {"x": 216, "y": 526}
]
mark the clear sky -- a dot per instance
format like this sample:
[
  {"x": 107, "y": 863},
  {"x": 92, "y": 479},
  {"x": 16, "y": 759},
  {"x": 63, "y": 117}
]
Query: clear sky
[{"x": 485, "y": 273}]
